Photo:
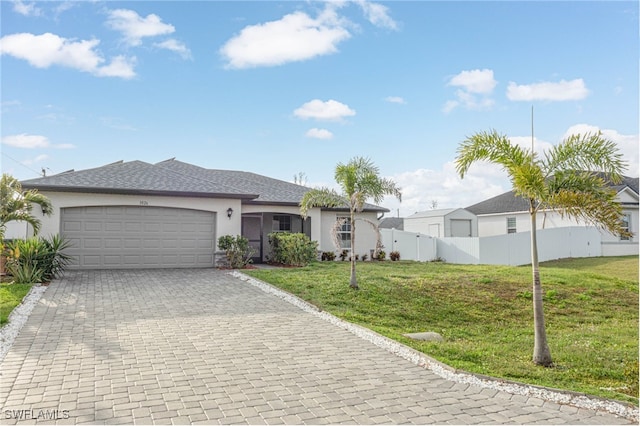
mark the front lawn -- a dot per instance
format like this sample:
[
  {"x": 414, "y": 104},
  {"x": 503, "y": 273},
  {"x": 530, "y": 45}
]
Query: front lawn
[
  {"x": 11, "y": 295},
  {"x": 485, "y": 315}
]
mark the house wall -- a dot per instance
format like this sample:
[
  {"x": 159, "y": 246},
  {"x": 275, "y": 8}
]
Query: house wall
[
  {"x": 60, "y": 200},
  {"x": 366, "y": 236},
  {"x": 496, "y": 224}
]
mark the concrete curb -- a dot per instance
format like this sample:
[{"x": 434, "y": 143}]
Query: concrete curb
[{"x": 575, "y": 399}]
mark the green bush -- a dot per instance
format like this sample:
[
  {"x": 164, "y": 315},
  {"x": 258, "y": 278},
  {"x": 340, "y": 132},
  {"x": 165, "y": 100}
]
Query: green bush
[
  {"x": 328, "y": 256},
  {"x": 36, "y": 260},
  {"x": 237, "y": 250},
  {"x": 382, "y": 255},
  {"x": 292, "y": 249}
]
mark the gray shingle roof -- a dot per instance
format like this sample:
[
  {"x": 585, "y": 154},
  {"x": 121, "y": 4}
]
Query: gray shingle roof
[
  {"x": 509, "y": 202},
  {"x": 392, "y": 222},
  {"x": 172, "y": 177}
]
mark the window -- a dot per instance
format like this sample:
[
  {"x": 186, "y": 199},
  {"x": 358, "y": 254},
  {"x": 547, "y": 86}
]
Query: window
[
  {"x": 626, "y": 221},
  {"x": 511, "y": 225},
  {"x": 281, "y": 223},
  {"x": 344, "y": 233}
]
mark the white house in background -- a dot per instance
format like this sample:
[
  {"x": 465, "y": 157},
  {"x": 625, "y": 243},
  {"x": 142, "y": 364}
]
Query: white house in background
[
  {"x": 170, "y": 214},
  {"x": 443, "y": 223},
  {"x": 508, "y": 214}
]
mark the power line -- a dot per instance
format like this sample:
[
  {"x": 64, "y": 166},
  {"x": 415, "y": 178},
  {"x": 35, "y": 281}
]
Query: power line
[{"x": 21, "y": 164}]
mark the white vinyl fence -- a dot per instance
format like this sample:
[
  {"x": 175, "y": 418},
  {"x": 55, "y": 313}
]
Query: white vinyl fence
[
  {"x": 410, "y": 245},
  {"x": 510, "y": 249}
]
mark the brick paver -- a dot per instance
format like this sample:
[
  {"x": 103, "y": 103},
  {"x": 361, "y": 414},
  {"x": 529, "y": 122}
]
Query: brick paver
[{"x": 179, "y": 347}]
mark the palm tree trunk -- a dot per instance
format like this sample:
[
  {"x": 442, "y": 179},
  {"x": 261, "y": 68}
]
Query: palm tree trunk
[
  {"x": 541, "y": 352},
  {"x": 353, "y": 283}
]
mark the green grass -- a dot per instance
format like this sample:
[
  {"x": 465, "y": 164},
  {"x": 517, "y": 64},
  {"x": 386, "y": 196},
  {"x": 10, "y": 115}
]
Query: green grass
[
  {"x": 485, "y": 315},
  {"x": 11, "y": 295}
]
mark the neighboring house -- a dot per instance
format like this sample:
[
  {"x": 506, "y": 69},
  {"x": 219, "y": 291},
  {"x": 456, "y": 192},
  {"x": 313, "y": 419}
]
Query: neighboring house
[
  {"x": 443, "y": 223},
  {"x": 170, "y": 214},
  {"x": 392, "y": 223},
  {"x": 508, "y": 214}
]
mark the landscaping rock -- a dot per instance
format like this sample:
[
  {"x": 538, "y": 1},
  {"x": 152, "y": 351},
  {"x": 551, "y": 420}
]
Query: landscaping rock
[{"x": 429, "y": 336}]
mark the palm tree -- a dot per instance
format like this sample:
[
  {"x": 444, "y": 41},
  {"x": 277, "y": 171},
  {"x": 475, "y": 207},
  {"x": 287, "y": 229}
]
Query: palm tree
[
  {"x": 17, "y": 204},
  {"x": 359, "y": 181},
  {"x": 571, "y": 178}
]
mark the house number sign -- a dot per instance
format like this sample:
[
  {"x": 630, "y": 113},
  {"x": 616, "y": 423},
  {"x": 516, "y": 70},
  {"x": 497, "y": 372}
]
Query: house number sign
[{"x": 144, "y": 203}]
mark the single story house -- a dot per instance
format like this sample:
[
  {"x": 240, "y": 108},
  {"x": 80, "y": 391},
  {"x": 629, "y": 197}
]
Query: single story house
[
  {"x": 171, "y": 214},
  {"x": 508, "y": 213},
  {"x": 443, "y": 223}
]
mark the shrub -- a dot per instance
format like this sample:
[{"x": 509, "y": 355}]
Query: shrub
[
  {"x": 292, "y": 249},
  {"x": 36, "y": 260},
  {"x": 382, "y": 255},
  {"x": 328, "y": 256},
  {"x": 365, "y": 257},
  {"x": 394, "y": 255},
  {"x": 237, "y": 250},
  {"x": 344, "y": 254}
]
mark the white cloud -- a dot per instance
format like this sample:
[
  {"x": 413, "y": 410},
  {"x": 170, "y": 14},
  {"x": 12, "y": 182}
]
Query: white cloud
[
  {"x": 26, "y": 8},
  {"x": 627, "y": 144},
  {"x": 475, "y": 81},
  {"x": 377, "y": 14},
  {"x": 327, "y": 111},
  {"x": 134, "y": 27},
  {"x": 475, "y": 88},
  {"x": 319, "y": 134},
  {"x": 294, "y": 37},
  {"x": 45, "y": 50},
  {"x": 548, "y": 91},
  {"x": 423, "y": 186},
  {"x": 175, "y": 46},
  {"x": 395, "y": 100},
  {"x": 26, "y": 141},
  {"x": 36, "y": 160}
]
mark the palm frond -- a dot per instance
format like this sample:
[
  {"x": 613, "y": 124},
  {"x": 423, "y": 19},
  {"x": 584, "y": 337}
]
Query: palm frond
[{"x": 320, "y": 197}]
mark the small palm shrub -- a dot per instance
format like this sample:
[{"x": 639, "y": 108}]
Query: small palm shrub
[
  {"x": 382, "y": 255},
  {"x": 37, "y": 260},
  {"x": 344, "y": 254},
  {"x": 237, "y": 250},
  {"x": 292, "y": 249},
  {"x": 394, "y": 255},
  {"x": 328, "y": 256}
]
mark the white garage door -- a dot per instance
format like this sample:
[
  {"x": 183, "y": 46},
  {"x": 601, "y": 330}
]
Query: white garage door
[{"x": 131, "y": 237}]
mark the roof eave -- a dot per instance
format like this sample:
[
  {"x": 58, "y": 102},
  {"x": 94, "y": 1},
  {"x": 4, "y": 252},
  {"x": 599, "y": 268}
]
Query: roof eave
[{"x": 125, "y": 191}]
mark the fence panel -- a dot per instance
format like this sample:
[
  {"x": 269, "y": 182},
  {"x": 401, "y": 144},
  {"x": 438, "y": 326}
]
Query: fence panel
[{"x": 411, "y": 245}]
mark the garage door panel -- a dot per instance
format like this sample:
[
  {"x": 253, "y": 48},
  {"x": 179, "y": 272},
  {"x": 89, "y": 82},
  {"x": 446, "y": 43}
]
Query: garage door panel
[{"x": 111, "y": 237}]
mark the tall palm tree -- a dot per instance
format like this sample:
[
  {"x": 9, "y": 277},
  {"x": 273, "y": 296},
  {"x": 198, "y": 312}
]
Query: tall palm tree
[
  {"x": 359, "y": 180},
  {"x": 572, "y": 178},
  {"x": 16, "y": 204}
]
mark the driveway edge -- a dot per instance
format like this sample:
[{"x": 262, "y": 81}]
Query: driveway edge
[{"x": 576, "y": 399}]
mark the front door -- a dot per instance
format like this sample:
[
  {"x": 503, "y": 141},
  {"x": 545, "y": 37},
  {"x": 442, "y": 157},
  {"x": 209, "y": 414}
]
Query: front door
[{"x": 252, "y": 230}]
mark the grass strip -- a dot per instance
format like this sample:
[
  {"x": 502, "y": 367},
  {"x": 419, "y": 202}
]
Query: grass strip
[{"x": 484, "y": 313}]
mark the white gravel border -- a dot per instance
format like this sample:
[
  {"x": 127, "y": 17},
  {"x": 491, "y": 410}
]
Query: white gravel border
[
  {"x": 18, "y": 318},
  {"x": 559, "y": 397}
]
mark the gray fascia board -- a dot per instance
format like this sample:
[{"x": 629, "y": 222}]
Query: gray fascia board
[{"x": 53, "y": 188}]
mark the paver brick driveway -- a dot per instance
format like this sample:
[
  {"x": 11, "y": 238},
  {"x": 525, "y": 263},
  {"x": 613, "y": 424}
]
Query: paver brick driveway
[{"x": 166, "y": 346}]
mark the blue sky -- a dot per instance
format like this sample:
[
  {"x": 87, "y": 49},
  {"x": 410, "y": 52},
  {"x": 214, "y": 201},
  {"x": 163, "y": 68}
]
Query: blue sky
[{"x": 282, "y": 88}]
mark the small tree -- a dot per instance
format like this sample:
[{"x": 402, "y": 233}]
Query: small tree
[
  {"x": 16, "y": 204},
  {"x": 565, "y": 180},
  {"x": 359, "y": 180}
]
